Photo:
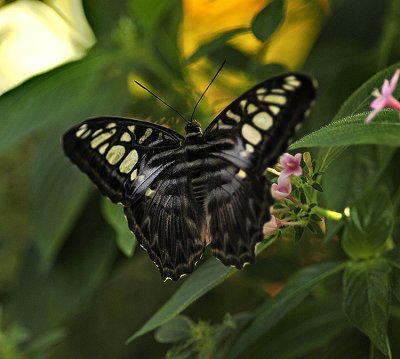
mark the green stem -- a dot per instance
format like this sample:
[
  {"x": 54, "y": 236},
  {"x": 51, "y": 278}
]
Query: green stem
[
  {"x": 388, "y": 348},
  {"x": 390, "y": 33},
  {"x": 336, "y": 216}
]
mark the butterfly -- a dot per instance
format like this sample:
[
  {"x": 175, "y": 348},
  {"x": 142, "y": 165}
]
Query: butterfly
[{"x": 181, "y": 194}]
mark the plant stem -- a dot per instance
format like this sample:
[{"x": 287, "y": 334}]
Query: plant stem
[{"x": 336, "y": 216}]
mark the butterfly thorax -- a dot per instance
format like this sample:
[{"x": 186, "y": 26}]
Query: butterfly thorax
[{"x": 193, "y": 130}]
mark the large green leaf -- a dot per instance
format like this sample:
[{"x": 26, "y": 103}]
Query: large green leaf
[
  {"x": 208, "y": 276},
  {"x": 298, "y": 287},
  {"x": 368, "y": 225},
  {"x": 57, "y": 192},
  {"x": 63, "y": 96},
  {"x": 385, "y": 130},
  {"x": 366, "y": 299},
  {"x": 44, "y": 298}
]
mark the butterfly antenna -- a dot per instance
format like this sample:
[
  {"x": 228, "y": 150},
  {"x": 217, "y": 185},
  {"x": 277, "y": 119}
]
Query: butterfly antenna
[
  {"x": 158, "y": 98},
  {"x": 204, "y": 92}
]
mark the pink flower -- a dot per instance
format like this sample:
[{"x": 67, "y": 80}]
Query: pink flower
[
  {"x": 385, "y": 97},
  {"x": 290, "y": 164},
  {"x": 271, "y": 226},
  {"x": 281, "y": 189}
]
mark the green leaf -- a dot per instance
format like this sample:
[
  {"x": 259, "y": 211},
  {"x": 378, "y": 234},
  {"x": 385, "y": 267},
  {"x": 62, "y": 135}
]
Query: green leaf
[
  {"x": 57, "y": 192},
  {"x": 114, "y": 215},
  {"x": 366, "y": 299},
  {"x": 175, "y": 330},
  {"x": 214, "y": 45},
  {"x": 62, "y": 97},
  {"x": 268, "y": 20},
  {"x": 295, "y": 291},
  {"x": 208, "y": 276},
  {"x": 369, "y": 225},
  {"x": 385, "y": 130},
  {"x": 308, "y": 328},
  {"x": 357, "y": 170},
  {"x": 43, "y": 299}
]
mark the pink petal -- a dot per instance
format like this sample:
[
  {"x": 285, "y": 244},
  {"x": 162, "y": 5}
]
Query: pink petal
[
  {"x": 372, "y": 115},
  {"x": 386, "y": 90},
  {"x": 271, "y": 226},
  {"x": 379, "y": 103},
  {"x": 393, "y": 103},
  {"x": 394, "y": 80}
]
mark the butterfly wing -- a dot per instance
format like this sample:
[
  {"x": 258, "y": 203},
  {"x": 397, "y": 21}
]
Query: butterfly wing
[
  {"x": 121, "y": 156},
  {"x": 246, "y": 137},
  {"x": 142, "y": 166},
  {"x": 237, "y": 208},
  {"x": 254, "y": 130},
  {"x": 167, "y": 223}
]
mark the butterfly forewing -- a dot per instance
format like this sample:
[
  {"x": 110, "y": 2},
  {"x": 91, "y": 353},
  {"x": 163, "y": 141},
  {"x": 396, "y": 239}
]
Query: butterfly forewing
[
  {"x": 255, "y": 128},
  {"x": 121, "y": 156}
]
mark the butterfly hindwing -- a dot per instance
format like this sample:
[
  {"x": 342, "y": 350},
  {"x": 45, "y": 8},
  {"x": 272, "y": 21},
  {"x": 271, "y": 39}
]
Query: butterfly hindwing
[
  {"x": 121, "y": 156},
  {"x": 237, "y": 208},
  {"x": 167, "y": 223},
  {"x": 255, "y": 128}
]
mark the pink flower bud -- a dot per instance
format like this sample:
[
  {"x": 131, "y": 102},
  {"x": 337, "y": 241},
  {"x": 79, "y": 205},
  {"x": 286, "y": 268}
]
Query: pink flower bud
[
  {"x": 281, "y": 189},
  {"x": 271, "y": 226}
]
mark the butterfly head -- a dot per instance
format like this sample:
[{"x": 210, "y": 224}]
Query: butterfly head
[{"x": 193, "y": 128}]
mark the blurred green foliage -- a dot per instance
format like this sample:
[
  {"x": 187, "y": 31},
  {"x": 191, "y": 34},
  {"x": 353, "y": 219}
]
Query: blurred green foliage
[{"x": 67, "y": 286}]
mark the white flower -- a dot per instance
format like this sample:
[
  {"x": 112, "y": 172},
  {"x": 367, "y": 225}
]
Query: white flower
[{"x": 35, "y": 37}]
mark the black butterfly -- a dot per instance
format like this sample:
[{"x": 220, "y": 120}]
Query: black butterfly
[{"x": 182, "y": 193}]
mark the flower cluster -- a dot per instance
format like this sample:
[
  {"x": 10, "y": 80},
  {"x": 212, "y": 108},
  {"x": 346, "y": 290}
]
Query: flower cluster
[{"x": 290, "y": 167}]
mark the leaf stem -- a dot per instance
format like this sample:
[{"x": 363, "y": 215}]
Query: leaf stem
[{"x": 336, "y": 216}]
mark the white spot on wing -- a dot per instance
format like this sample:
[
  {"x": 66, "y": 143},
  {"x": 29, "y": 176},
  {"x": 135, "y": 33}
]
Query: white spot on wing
[
  {"x": 97, "y": 132},
  {"x": 251, "y": 108},
  {"x": 263, "y": 120},
  {"x": 261, "y": 91},
  {"x": 251, "y": 134},
  {"x": 126, "y": 137},
  {"x": 274, "y": 109},
  {"x": 278, "y": 99},
  {"x": 101, "y": 138},
  {"x": 146, "y": 135},
  {"x": 133, "y": 175},
  {"x": 131, "y": 128},
  {"x": 82, "y": 129},
  {"x": 288, "y": 87},
  {"x": 102, "y": 148},
  {"x": 233, "y": 116},
  {"x": 111, "y": 125},
  {"x": 149, "y": 192},
  {"x": 249, "y": 148},
  {"x": 129, "y": 162},
  {"x": 241, "y": 174},
  {"x": 114, "y": 154}
]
